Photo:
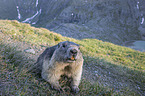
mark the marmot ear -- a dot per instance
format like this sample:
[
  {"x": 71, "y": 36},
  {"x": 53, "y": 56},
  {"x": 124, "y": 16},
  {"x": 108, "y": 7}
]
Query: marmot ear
[
  {"x": 58, "y": 45},
  {"x": 77, "y": 45}
]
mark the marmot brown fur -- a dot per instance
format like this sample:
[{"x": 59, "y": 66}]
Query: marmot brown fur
[{"x": 64, "y": 58}]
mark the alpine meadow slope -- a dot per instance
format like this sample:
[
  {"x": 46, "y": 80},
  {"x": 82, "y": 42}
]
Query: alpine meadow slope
[{"x": 109, "y": 69}]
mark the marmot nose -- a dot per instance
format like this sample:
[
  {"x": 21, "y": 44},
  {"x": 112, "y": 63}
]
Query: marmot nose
[{"x": 73, "y": 51}]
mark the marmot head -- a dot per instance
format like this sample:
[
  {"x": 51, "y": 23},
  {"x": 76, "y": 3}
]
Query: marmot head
[{"x": 68, "y": 51}]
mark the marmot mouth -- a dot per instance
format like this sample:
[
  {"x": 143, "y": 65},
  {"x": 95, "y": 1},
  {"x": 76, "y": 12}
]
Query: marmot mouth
[{"x": 72, "y": 59}]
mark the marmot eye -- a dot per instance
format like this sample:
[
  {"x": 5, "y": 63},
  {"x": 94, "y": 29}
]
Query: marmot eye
[{"x": 64, "y": 45}]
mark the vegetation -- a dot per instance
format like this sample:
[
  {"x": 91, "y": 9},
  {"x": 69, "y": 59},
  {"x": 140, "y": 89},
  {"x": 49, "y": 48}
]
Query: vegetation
[{"x": 14, "y": 62}]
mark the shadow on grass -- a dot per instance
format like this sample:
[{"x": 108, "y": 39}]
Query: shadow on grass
[{"x": 115, "y": 75}]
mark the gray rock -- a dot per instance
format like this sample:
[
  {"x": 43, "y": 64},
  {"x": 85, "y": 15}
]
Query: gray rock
[{"x": 30, "y": 51}]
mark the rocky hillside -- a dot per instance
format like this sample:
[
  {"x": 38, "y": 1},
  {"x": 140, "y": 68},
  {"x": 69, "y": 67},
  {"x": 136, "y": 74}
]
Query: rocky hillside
[
  {"x": 115, "y": 21},
  {"x": 109, "y": 69}
]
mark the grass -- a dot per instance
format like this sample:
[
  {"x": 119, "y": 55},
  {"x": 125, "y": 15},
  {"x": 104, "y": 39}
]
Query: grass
[{"x": 14, "y": 63}]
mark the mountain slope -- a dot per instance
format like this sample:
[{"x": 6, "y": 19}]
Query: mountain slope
[
  {"x": 110, "y": 65},
  {"x": 115, "y": 21}
]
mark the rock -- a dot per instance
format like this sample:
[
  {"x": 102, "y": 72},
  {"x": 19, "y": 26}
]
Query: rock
[{"x": 30, "y": 51}]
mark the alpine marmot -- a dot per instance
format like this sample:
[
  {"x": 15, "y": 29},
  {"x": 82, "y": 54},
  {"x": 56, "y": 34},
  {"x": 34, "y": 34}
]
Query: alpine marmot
[{"x": 64, "y": 58}]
